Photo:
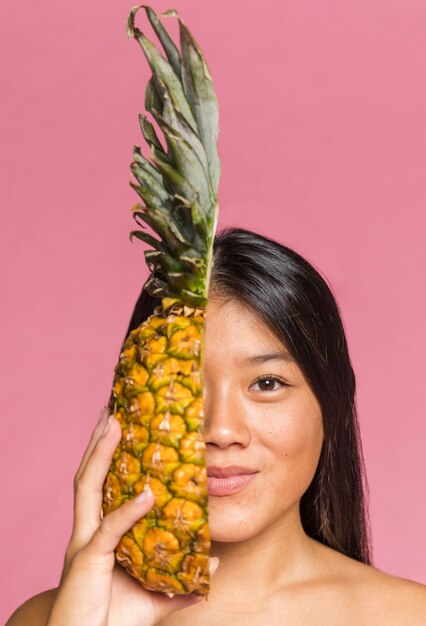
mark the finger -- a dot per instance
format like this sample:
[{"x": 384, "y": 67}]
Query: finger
[
  {"x": 76, "y": 542},
  {"x": 116, "y": 524},
  {"x": 89, "y": 487},
  {"x": 95, "y": 436}
]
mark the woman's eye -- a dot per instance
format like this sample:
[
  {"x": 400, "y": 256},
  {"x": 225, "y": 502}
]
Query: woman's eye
[{"x": 269, "y": 383}]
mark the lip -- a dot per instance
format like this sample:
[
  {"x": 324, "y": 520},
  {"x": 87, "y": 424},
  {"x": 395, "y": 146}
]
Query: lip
[
  {"x": 229, "y": 470},
  {"x": 225, "y": 481}
]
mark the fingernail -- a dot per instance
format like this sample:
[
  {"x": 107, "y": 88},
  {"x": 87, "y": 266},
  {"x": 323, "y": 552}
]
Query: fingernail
[
  {"x": 144, "y": 496},
  {"x": 214, "y": 564}
]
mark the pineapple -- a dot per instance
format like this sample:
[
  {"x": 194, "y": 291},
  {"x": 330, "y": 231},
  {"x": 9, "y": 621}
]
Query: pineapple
[{"x": 157, "y": 393}]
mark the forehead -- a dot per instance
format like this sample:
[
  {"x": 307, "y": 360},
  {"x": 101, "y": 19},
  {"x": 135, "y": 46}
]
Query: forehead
[{"x": 237, "y": 332}]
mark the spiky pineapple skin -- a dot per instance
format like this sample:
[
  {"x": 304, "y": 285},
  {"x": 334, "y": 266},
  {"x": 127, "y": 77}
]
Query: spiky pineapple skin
[{"x": 158, "y": 400}]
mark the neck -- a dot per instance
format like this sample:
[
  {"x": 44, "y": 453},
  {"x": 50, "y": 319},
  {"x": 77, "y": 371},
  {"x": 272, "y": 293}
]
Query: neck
[{"x": 281, "y": 555}]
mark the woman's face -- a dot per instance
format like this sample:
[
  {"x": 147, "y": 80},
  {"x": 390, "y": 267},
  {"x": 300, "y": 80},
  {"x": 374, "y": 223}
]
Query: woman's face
[{"x": 273, "y": 427}]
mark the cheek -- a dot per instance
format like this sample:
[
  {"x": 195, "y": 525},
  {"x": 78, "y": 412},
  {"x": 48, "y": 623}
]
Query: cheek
[{"x": 293, "y": 435}]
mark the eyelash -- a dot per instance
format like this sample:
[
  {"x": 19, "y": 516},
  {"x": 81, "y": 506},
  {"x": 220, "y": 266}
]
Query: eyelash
[{"x": 271, "y": 377}]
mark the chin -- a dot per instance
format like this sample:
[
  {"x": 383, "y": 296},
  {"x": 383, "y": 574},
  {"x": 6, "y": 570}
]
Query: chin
[
  {"x": 230, "y": 536},
  {"x": 230, "y": 526}
]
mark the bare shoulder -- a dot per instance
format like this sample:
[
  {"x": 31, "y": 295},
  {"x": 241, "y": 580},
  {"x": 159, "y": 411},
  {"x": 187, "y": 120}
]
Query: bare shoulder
[
  {"x": 34, "y": 611},
  {"x": 403, "y": 600},
  {"x": 373, "y": 596}
]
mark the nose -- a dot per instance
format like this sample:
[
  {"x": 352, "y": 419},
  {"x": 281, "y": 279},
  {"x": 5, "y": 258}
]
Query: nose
[{"x": 224, "y": 421}]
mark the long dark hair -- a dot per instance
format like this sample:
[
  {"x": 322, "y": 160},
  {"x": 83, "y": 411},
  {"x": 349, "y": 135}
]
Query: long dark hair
[{"x": 295, "y": 302}]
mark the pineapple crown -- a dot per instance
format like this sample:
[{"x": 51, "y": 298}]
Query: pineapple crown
[{"x": 179, "y": 186}]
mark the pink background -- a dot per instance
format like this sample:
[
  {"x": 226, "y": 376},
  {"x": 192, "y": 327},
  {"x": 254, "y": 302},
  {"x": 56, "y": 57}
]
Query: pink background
[{"x": 323, "y": 146}]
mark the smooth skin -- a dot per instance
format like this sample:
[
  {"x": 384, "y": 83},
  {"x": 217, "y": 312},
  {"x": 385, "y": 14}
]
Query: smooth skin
[{"x": 271, "y": 573}]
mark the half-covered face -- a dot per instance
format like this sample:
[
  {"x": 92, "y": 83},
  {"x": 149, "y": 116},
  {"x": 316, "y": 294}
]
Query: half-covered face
[{"x": 261, "y": 417}]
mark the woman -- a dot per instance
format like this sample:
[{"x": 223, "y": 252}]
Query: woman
[{"x": 293, "y": 539}]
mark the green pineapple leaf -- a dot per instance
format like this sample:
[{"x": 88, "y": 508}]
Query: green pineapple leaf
[{"x": 178, "y": 184}]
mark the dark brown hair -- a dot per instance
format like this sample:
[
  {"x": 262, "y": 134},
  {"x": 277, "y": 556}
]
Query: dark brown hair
[{"x": 295, "y": 302}]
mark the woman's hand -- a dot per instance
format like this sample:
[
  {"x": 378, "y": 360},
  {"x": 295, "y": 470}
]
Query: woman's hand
[{"x": 95, "y": 590}]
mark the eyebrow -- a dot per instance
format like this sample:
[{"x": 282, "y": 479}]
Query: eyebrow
[{"x": 273, "y": 356}]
